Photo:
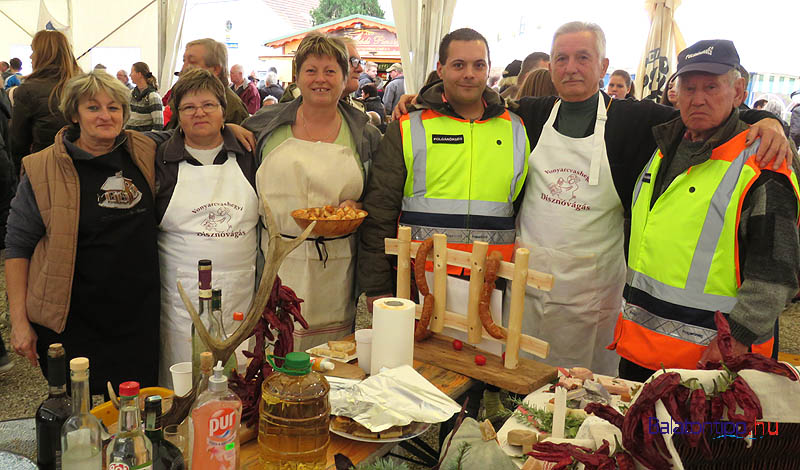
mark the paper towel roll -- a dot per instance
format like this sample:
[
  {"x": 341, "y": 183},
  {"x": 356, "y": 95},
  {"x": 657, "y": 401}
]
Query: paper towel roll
[{"x": 392, "y": 333}]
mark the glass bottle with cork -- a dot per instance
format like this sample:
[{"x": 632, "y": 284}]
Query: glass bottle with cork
[
  {"x": 217, "y": 328},
  {"x": 54, "y": 411},
  {"x": 294, "y": 416},
  {"x": 130, "y": 449},
  {"x": 166, "y": 456},
  {"x": 81, "y": 441},
  {"x": 204, "y": 293}
]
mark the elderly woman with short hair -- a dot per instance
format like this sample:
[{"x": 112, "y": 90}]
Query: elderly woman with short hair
[
  {"x": 81, "y": 260},
  {"x": 206, "y": 207},
  {"x": 316, "y": 151}
]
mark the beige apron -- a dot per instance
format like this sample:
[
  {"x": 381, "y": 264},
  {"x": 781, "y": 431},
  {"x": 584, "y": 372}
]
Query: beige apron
[{"x": 300, "y": 174}]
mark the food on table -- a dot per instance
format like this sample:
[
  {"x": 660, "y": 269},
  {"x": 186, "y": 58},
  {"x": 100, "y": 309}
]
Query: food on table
[
  {"x": 492, "y": 266},
  {"x": 348, "y": 426},
  {"x": 421, "y": 331},
  {"x": 570, "y": 383},
  {"x": 614, "y": 386},
  {"x": 581, "y": 373},
  {"x": 480, "y": 359},
  {"x": 321, "y": 351},
  {"x": 329, "y": 213},
  {"x": 535, "y": 464},
  {"x": 457, "y": 345},
  {"x": 487, "y": 431},
  {"x": 347, "y": 347},
  {"x": 519, "y": 437}
]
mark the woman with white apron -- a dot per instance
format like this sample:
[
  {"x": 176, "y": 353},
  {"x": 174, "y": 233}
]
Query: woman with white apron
[
  {"x": 315, "y": 151},
  {"x": 571, "y": 220},
  {"x": 208, "y": 210}
]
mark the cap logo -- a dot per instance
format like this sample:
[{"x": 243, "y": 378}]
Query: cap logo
[{"x": 708, "y": 51}]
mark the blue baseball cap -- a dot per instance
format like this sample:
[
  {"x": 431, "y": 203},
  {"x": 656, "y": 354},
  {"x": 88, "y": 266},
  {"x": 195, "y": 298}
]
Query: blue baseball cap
[{"x": 717, "y": 56}]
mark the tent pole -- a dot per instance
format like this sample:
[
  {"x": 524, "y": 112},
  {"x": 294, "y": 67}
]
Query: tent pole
[
  {"x": 162, "y": 32},
  {"x": 18, "y": 25},
  {"x": 115, "y": 29}
]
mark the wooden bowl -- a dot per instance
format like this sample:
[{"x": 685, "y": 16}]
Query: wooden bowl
[{"x": 329, "y": 228}]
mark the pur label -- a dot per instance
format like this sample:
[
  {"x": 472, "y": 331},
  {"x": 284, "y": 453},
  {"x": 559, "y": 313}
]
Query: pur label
[{"x": 221, "y": 426}]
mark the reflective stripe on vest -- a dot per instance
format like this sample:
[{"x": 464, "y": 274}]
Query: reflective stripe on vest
[{"x": 678, "y": 263}]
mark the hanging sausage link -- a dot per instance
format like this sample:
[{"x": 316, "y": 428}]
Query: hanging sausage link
[
  {"x": 492, "y": 266},
  {"x": 421, "y": 331}
]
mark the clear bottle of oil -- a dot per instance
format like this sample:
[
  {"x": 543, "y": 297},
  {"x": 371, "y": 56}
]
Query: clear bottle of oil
[{"x": 294, "y": 417}]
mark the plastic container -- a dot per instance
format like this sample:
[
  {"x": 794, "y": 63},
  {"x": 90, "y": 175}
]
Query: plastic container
[
  {"x": 215, "y": 419},
  {"x": 294, "y": 417}
]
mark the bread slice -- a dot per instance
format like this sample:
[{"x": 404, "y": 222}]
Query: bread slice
[
  {"x": 320, "y": 351},
  {"x": 347, "y": 347},
  {"x": 392, "y": 432},
  {"x": 342, "y": 424}
]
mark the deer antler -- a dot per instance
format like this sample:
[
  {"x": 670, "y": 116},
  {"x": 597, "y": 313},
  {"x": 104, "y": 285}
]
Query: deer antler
[{"x": 279, "y": 248}]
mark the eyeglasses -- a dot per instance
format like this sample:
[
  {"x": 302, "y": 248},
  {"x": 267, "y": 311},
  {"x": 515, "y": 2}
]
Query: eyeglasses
[
  {"x": 355, "y": 62},
  {"x": 191, "y": 109}
]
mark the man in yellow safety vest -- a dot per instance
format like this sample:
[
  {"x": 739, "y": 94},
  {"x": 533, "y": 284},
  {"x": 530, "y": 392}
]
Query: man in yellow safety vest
[{"x": 710, "y": 230}]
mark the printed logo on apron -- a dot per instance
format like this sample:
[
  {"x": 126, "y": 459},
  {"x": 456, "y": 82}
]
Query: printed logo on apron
[
  {"x": 218, "y": 217},
  {"x": 118, "y": 192},
  {"x": 565, "y": 185}
]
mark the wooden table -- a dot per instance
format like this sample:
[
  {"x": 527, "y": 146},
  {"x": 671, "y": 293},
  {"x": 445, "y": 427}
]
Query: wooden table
[{"x": 452, "y": 384}]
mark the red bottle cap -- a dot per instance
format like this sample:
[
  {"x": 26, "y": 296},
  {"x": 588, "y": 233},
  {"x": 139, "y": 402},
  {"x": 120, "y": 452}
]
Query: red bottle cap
[
  {"x": 238, "y": 316},
  {"x": 129, "y": 389}
]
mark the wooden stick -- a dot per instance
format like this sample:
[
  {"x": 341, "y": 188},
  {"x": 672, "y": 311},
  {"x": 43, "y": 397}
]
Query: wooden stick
[
  {"x": 537, "y": 279},
  {"x": 529, "y": 344},
  {"x": 476, "y": 275},
  {"x": 517, "y": 304},
  {"x": 403, "y": 263},
  {"x": 439, "y": 281}
]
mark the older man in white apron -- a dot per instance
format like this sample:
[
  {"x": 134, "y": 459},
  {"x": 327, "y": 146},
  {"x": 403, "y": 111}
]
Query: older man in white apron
[{"x": 571, "y": 187}]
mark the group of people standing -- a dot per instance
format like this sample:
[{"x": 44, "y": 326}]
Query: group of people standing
[{"x": 106, "y": 221}]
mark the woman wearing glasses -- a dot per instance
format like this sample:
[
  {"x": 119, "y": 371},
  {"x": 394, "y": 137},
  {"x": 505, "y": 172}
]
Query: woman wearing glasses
[
  {"x": 206, "y": 207},
  {"x": 315, "y": 151}
]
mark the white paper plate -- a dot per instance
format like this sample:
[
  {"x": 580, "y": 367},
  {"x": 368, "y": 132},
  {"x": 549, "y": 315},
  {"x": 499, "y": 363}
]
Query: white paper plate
[
  {"x": 416, "y": 430},
  {"x": 351, "y": 357}
]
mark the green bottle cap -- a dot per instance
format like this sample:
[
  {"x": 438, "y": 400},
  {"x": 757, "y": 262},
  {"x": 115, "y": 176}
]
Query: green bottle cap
[{"x": 295, "y": 363}]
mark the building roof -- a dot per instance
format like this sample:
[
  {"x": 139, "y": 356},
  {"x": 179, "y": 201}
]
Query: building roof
[
  {"x": 295, "y": 12},
  {"x": 341, "y": 23}
]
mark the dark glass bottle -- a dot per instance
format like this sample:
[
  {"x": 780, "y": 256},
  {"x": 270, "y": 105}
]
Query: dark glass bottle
[
  {"x": 53, "y": 411},
  {"x": 165, "y": 455}
]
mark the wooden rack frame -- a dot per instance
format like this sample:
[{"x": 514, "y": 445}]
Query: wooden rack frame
[{"x": 517, "y": 272}]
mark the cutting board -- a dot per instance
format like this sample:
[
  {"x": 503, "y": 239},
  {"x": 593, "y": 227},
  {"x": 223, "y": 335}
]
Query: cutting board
[{"x": 529, "y": 376}]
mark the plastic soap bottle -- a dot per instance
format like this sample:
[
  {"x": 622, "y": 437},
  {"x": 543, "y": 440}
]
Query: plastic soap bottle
[{"x": 215, "y": 425}]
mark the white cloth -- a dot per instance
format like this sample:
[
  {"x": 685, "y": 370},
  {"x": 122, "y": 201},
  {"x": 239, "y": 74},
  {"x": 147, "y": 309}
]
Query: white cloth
[
  {"x": 572, "y": 222},
  {"x": 299, "y": 174},
  {"x": 213, "y": 214},
  {"x": 204, "y": 156}
]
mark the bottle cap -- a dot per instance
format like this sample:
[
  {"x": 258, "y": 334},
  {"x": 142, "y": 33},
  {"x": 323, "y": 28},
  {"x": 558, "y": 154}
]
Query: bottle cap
[
  {"x": 206, "y": 361},
  {"x": 218, "y": 382},
  {"x": 129, "y": 389},
  {"x": 55, "y": 349},
  {"x": 153, "y": 403},
  {"x": 238, "y": 316},
  {"x": 216, "y": 299},
  {"x": 56, "y": 365},
  {"x": 79, "y": 364},
  {"x": 297, "y": 363},
  {"x": 204, "y": 275}
]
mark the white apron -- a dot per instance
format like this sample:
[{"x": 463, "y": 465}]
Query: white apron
[
  {"x": 213, "y": 214},
  {"x": 572, "y": 222},
  {"x": 298, "y": 174}
]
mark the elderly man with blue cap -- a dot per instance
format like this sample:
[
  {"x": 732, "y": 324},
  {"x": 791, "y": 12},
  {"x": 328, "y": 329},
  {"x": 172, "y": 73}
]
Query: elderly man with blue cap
[{"x": 710, "y": 230}]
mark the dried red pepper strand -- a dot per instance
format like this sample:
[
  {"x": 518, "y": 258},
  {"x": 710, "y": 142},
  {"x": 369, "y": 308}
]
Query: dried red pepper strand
[
  {"x": 606, "y": 412},
  {"x": 760, "y": 363},
  {"x": 697, "y": 414},
  {"x": 675, "y": 410},
  {"x": 715, "y": 409},
  {"x": 624, "y": 460},
  {"x": 729, "y": 398}
]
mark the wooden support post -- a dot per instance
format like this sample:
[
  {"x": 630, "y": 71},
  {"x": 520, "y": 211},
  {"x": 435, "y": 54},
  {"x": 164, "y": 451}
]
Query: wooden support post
[
  {"x": 517, "y": 304},
  {"x": 476, "y": 275},
  {"x": 439, "y": 281},
  {"x": 404, "y": 262}
]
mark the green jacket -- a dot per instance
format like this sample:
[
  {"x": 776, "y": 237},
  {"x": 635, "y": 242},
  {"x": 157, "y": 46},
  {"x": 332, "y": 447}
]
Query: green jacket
[{"x": 384, "y": 196}]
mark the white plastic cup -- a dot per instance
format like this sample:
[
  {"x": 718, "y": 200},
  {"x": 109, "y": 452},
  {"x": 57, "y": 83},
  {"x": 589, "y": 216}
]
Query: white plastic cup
[
  {"x": 181, "y": 378},
  {"x": 364, "y": 349}
]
